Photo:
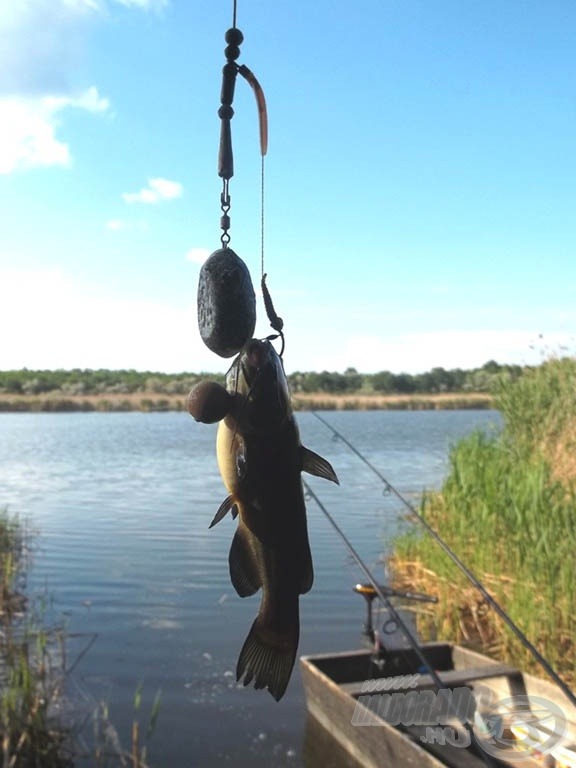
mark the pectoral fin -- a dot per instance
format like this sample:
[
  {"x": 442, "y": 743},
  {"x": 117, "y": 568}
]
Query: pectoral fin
[
  {"x": 244, "y": 573},
  {"x": 316, "y": 465},
  {"x": 227, "y": 504}
]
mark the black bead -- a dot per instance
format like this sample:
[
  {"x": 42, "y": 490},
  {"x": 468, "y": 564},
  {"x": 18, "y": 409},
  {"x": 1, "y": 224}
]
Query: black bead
[
  {"x": 234, "y": 36},
  {"x": 231, "y": 52},
  {"x": 226, "y": 112}
]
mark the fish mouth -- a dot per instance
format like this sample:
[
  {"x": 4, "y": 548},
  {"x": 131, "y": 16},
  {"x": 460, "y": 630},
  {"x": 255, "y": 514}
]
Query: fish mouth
[
  {"x": 253, "y": 361},
  {"x": 257, "y": 375}
]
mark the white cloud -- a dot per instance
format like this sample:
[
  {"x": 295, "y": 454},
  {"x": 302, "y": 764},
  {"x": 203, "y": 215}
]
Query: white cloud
[
  {"x": 115, "y": 225},
  {"x": 28, "y": 128},
  {"x": 59, "y": 322},
  {"x": 90, "y": 100},
  {"x": 42, "y": 44},
  {"x": 126, "y": 225},
  {"x": 145, "y": 5},
  {"x": 56, "y": 321},
  {"x": 158, "y": 189},
  {"x": 79, "y": 6},
  {"x": 198, "y": 255},
  {"x": 42, "y": 41},
  {"x": 419, "y": 352}
]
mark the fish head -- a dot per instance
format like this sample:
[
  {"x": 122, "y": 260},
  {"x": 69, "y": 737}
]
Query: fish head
[{"x": 258, "y": 383}]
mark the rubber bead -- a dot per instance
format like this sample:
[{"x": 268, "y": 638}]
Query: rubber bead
[
  {"x": 226, "y": 303},
  {"x": 225, "y": 112}
]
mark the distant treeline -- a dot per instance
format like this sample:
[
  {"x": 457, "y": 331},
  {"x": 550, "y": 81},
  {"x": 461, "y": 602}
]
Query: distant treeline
[
  {"x": 79, "y": 382},
  {"x": 86, "y": 381},
  {"x": 436, "y": 381}
]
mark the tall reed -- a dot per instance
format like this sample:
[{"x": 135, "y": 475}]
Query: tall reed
[
  {"x": 29, "y": 681},
  {"x": 33, "y": 674},
  {"x": 508, "y": 508}
]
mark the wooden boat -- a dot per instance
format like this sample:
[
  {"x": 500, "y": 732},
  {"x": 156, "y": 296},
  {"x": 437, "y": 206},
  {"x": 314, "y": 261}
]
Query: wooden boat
[{"x": 517, "y": 719}]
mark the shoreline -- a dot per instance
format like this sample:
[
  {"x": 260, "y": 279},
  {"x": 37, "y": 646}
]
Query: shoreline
[{"x": 148, "y": 402}]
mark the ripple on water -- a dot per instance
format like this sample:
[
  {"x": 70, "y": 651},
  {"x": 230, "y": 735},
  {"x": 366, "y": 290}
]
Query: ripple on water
[{"x": 122, "y": 504}]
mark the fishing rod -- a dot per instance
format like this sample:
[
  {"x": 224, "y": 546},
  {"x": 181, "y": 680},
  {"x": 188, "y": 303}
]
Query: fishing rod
[
  {"x": 397, "y": 617},
  {"x": 456, "y": 560}
]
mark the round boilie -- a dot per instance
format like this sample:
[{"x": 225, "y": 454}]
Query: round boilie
[{"x": 209, "y": 402}]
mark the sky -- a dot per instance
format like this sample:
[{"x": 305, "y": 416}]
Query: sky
[{"x": 420, "y": 182}]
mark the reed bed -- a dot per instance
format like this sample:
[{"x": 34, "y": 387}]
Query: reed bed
[
  {"x": 33, "y": 680},
  {"x": 90, "y": 404},
  {"x": 29, "y": 682},
  {"x": 149, "y": 401},
  {"x": 508, "y": 508}
]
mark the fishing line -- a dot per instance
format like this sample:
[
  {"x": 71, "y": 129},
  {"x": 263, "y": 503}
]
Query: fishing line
[
  {"x": 227, "y": 168},
  {"x": 396, "y": 616},
  {"x": 463, "y": 568},
  {"x": 377, "y": 588}
]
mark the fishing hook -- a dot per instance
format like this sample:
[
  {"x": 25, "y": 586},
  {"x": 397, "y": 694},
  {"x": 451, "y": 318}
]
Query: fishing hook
[{"x": 276, "y": 322}]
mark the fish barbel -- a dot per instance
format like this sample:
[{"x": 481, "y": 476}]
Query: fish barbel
[{"x": 261, "y": 458}]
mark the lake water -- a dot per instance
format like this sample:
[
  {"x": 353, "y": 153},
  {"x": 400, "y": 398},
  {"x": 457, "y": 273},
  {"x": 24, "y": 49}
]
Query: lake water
[{"x": 121, "y": 504}]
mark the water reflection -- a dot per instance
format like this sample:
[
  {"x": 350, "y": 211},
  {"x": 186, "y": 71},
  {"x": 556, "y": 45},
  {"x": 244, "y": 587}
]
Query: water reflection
[{"x": 122, "y": 503}]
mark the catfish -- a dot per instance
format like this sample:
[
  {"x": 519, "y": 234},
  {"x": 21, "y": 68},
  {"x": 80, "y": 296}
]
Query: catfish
[{"x": 261, "y": 458}]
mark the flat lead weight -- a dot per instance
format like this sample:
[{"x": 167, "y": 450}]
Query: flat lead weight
[{"x": 226, "y": 303}]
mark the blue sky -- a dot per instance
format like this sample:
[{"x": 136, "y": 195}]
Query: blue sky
[{"x": 420, "y": 179}]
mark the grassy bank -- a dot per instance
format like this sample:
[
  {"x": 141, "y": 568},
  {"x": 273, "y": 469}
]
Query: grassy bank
[
  {"x": 33, "y": 677},
  {"x": 29, "y": 680},
  {"x": 508, "y": 508},
  {"x": 152, "y": 401}
]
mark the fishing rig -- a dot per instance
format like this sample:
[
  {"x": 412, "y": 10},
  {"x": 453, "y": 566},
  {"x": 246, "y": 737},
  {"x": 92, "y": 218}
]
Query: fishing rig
[{"x": 226, "y": 299}]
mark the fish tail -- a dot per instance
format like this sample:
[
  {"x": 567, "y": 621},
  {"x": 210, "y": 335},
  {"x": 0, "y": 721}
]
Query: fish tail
[{"x": 268, "y": 656}]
